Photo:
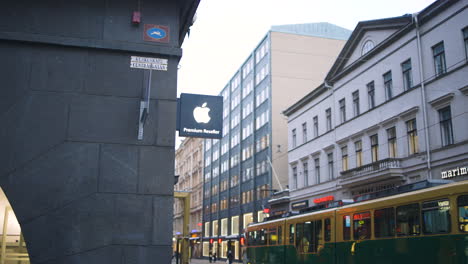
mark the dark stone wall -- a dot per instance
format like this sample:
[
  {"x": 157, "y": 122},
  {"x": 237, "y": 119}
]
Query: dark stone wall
[{"x": 83, "y": 188}]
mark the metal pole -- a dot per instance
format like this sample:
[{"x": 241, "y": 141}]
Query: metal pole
[{"x": 148, "y": 93}]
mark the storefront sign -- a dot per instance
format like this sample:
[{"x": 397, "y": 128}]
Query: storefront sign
[
  {"x": 324, "y": 199},
  {"x": 200, "y": 116},
  {"x": 300, "y": 205},
  {"x": 459, "y": 171}
]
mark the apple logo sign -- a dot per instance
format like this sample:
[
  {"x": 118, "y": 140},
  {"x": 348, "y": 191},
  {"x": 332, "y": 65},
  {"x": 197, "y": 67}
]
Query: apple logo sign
[{"x": 201, "y": 114}]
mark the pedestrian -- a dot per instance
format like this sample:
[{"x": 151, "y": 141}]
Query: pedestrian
[
  {"x": 210, "y": 257},
  {"x": 214, "y": 257},
  {"x": 230, "y": 256}
]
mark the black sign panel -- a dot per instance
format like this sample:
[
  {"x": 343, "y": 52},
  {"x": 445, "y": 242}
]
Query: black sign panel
[
  {"x": 200, "y": 116},
  {"x": 300, "y": 205}
]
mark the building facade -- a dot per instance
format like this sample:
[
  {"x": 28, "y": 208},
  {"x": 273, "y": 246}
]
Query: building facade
[
  {"x": 189, "y": 168},
  {"x": 84, "y": 184},
  {"x": 392, "y": 110},
  {"x": 250, "y": 162}
]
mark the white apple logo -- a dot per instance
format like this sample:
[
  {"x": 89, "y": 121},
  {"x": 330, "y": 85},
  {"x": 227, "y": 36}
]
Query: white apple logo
[{"x": 201, "y": 114}]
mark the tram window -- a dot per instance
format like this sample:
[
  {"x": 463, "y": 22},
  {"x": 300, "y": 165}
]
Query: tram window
[
  {"x": 251, "y": 239},
  {"x": 327, "y": 229},
  {"x": 462, "y": 202},
  {"x": 384, "y": 222},
  {"x": 280, "y": 235},
  {"x": 362, "y": 225},
  {"x": 436, "y": 216},
  {"x": 272, "y": 236},
  {"x": 261, "y": 237},
  {"x": 317, "y": 235},
  {"x": 299, "y": 237},
  {"x": 407, "y": 217},
  {"x": 306, "y": 244},
  {"x": 346, "y": 227},
  {"x": 291, "y": 234}
]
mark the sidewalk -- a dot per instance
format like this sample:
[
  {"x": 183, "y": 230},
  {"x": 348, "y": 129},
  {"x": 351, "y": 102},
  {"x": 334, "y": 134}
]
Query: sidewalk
[{"x": 205, "y": 261}]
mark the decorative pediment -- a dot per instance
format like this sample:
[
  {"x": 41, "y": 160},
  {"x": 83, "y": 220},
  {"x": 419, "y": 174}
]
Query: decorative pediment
[
  {"x": 442, "y": 101},
  {"x": 366, "y": 40}
]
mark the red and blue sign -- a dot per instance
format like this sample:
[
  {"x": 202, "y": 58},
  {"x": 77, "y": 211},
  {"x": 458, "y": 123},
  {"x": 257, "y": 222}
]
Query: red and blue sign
[{"x": 156, "y": 33}]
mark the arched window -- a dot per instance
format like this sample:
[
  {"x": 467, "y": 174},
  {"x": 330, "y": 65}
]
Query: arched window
[{"x": 368, "y": 45}]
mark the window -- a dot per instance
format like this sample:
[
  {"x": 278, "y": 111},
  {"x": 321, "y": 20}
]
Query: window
[
  {"x": 248, "y": 218},
  {"x": 207, "y": 229},
  {"x": 305, "y": 168},
  {"x": 263, "y": 192},
  {"x": 388, "y": 85},
  {"x": 294, "y": 177},
  {"x": 384, "y": 222},
  {"x": 235, "y": 225},
  {"x": 262, "y": 167},
  {"x": 465, "y": 37},
  {"x": 439, "y": 59},
  {"x": 374, "y": 147},
  {"x": 234, "y": 180},
  {"x": 330, "y": 166},
  {"x": 356, "y": 103},
  {"x": 328, "y": 116},
  {"x": 304, "y": 132},
  {"x": 462, "y": 203},
  {"x": 436, "y": 216},
  {"x": 308, "y": 235},
  {"x": 215, "y": 228},
  {"x": 262, "y": 119},
  {"x": 392, "y": 147},
  {"x": 317, "y": 170},
  {"x": 291, "y": 234},
  {"x": 234, "y": 200},
  {"x": 368, "y": 45},
  {"x": 247, "y": 197},
  {"x": 316, "y": 128},
  {"x": 342, "y": 110},
  {"x": 412, "y": 133},
  {"x": 262, "y": 143},
  {"x": 224, "y": 227},
  {"x": 344, "y": 158},
  {"x": 371, "y": 94},
  {"x": 328, "y": 230},
  {"x": 362, "y": 226},
  {"x": 407, "y": 217},
  {"x": 407, "y": 75},
  {"x": 358, "y": 150},
  {"x": 446, "y": 131},
  {"x": 247, "y": 174},
  {"x": 272, "y": 235},
  {"x": 294, "y": 138},
  {"x": 346, "y": 227}
]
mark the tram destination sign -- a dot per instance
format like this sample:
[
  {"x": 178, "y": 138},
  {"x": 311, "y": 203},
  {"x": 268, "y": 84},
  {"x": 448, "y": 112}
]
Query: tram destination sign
[{"x": 148, "y": 63}]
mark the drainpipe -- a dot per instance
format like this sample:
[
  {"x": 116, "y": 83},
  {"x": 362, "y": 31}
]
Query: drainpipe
[{"x": 423, "y": 97}]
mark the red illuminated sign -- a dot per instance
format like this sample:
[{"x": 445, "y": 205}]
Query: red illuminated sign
[
  {"x": 220, "y": 240},
  {"x": 199, "y": 224},
  {"x": 324, "y": 199},
  {"x": 266, "y": 210},
  {"x": 361, "y": 216},
  {"x": 242, "y": 241},
  {"x": 211, "y": 241}
]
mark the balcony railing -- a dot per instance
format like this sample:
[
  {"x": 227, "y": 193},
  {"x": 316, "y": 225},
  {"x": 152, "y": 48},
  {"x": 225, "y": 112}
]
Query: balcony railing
[{"x": 390, "y": 163}]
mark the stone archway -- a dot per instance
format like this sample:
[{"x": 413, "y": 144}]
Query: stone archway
[{"x": 13, "y": 248}]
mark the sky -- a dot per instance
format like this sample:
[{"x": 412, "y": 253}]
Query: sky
[{"x": 225, "y": 32}]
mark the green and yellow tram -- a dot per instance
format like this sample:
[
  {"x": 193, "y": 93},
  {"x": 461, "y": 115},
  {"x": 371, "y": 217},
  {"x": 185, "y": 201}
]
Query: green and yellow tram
[{"x": 423, "y": 226}]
